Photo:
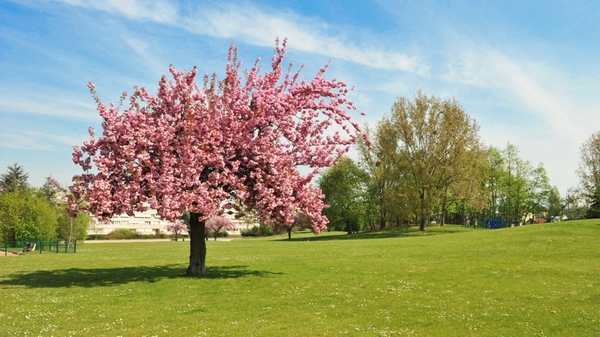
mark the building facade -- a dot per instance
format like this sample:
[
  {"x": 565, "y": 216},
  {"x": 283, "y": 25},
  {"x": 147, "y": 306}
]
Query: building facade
[
  {"x": 147, "y": 222},
  {"x": 150, "y": 223}
]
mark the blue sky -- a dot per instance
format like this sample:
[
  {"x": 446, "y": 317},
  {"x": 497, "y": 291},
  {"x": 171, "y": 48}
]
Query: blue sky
[{"x": 526, "y": 71}]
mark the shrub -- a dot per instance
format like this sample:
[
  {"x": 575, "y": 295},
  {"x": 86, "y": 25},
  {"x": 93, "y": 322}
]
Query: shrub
[
  {"x": 121, "y": 234},
  {"x": 261, "y": 230},
  {"x": 223, "y": 234}
]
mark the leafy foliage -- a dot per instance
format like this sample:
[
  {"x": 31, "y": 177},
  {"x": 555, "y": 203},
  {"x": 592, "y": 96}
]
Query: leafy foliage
[
  {"x": 122, "y": 234},
  {"x": 72, "y": 227},
  {"x": 431, "y": 146},
  {"x": 260, "y": 230},
  {"x": 24, "y": 214},
  {"x": 518, "y": 192},
  {"x": 15, "y": 179},
  {"x": 589, "y": 173},
  {"x": 345, "y": 187}
]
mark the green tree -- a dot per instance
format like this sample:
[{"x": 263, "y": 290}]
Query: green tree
[
  {"x": 378, "y": 160},
  {"x": 539, "y": 193},
  {"x": 14, "y": 179},
  {"x": 465, "y": 194},
  {"x": 513, "y": 184},
  {"x": 24, "y": 214},
  {"x": 517, "y": 191},
  {"x": 436, "y": 142},
  {"x": 344, "y": 186},
  {"x": 493, "y": 177},
  {"x": 589, "y": 173},
  {"x": 575, "y": 203},
  {"x": 51, "y": 191},
  {"x": 556, "y": 205},
  {"x": 69, "y": 227}
]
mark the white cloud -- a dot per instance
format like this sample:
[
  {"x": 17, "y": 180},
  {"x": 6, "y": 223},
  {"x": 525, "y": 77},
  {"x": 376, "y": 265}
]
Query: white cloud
[
  {"x": 306, "y": 34},
  {"x": 530, "y": 83},
  {"x": 146, "y": 52},
  {"x": 257, "y": 27},
  {"x": 156, "y": 10},
  {"x": 36, "y": 140},
  {"x": 55, "y": 106}
]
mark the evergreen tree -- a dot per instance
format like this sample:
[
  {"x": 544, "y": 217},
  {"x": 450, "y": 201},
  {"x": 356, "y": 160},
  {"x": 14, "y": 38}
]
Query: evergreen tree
[{"x": 15, "y": 179}]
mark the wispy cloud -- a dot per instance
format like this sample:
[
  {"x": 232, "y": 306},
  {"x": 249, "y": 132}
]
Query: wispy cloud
[
  {"x": 258, "y": 27},
  {"x": 35, "y": 140},
  {"x": 310, "y": 35},
  {"x": 156, "y": 10},
  {"x": 520, "y": 79},
  {"x": 49, "y": 105},
  {"x": 540, "y": 94}
]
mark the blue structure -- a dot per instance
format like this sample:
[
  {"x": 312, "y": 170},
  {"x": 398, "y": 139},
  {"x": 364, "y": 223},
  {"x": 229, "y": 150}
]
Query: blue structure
[{"x": 495, "y": 223}]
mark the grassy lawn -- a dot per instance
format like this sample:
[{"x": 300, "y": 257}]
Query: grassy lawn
[{"x": 540, "y": 280}]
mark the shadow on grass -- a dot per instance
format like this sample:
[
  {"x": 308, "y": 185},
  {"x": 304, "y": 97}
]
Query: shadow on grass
[
  {"x": 101, "y": 277},
  {"x": 399, "y": 232}
]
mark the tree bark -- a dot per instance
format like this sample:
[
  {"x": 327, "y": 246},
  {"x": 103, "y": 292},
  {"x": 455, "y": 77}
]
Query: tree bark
[
  {"x": 197, "y": 267},
  {"x": 348, "y": 227},
  {"x": 382, "y": 214},
  {"x": 443, "y": 219},
  {"x": 422, "y": 226}
]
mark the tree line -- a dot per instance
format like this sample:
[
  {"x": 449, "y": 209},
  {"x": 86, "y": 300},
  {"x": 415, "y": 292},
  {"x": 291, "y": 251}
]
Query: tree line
[
  {"x": 36, "y": 213},
  {"x": 426, "y": 163}
]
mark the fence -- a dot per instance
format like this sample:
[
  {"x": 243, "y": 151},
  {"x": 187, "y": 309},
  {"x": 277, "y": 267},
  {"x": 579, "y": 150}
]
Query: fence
[{"x": 29, "y": 245}]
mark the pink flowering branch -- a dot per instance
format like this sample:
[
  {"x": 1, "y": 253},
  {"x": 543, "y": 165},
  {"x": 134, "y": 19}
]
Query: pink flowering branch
[{"x": 189, "y": 148}]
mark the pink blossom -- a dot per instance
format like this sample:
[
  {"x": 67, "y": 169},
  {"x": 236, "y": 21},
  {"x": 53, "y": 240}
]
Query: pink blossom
[{"x": 190, "y": 148}]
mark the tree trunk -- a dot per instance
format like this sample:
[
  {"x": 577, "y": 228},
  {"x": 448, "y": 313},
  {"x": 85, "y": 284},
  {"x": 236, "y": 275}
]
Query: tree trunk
[
  {"x": 197, "y": 267},
  {"x": 289, "y": 231},
  {"x": 382, "y": 216},
  {"x": 443, "y": 219},
  {"x": 422, "y": 227}
]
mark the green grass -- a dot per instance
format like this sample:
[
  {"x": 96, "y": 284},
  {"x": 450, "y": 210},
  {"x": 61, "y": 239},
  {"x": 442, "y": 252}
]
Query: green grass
[{"x": 537, "y": 280}]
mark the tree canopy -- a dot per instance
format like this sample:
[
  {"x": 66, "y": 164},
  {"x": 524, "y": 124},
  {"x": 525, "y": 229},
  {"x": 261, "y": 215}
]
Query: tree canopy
[
  {"x": 345, "y": 187},
  {"x": 589, "y": 173},
  {"x": 14, "y": 179},
  {"x": 190, "y": 148},
  {"x": 434, "y": 145},
  {"x": 26, "y": 214},
  {"x": 216, "y": 224}
]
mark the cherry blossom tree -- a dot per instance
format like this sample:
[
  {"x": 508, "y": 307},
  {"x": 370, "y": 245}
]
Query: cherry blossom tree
[
  {"x": 177, "y": 227},
  {"x": 216, "y": 224},
  {"x": 243, "y": 137},
  {"x": 300, "y": 221}
]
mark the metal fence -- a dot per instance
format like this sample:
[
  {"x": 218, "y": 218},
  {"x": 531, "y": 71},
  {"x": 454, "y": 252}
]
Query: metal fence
[{"x": 23, "y": 246}]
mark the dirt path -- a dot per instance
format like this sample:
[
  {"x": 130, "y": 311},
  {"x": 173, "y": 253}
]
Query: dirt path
[
  {"x": 9, "y": 253},
  {"x": 148, "y": 240}
]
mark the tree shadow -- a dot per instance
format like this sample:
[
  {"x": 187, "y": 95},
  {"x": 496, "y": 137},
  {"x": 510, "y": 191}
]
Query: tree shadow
[
  {"x": 225, "y": 272},
  {"x": 398, "y": 232},
  {"x": 105, "y": 277}
]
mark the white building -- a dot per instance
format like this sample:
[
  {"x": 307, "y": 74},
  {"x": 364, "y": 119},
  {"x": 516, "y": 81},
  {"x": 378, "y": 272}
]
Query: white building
[
  {"x": 149, "y": 222},
  {"x": 146, "y": 222}
]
